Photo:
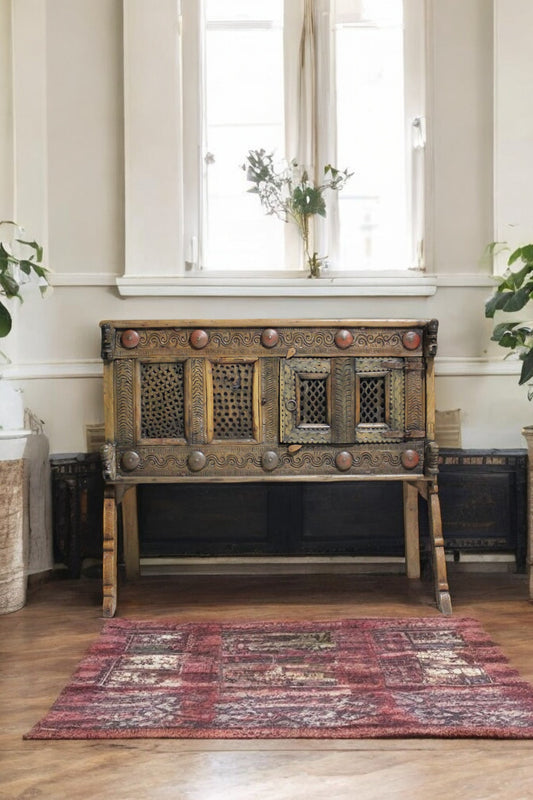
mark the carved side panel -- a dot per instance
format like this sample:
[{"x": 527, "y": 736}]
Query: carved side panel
[
  {"x": 269, "y": 399},
  {"x": 415, "y": 401},
  {"x": 343, "y": 399},
  {"x": 196, "y": 400},
  {"x": 125, "y": 419}
]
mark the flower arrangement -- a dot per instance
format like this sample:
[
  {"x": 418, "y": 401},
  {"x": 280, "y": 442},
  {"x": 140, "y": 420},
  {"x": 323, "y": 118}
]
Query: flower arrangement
[
  {"x": 16, "y": 271},
  {"x": 289, "y": 194}
]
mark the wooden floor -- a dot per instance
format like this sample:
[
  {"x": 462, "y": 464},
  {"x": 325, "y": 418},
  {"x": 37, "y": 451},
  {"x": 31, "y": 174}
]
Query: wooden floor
[{"x": 41, "y": 644}]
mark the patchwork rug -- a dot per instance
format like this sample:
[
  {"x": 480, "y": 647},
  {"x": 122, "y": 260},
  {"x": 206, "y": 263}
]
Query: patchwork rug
[{"x": 433, "y": 677}]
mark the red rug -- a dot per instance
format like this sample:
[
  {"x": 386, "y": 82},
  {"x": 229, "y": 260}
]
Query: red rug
[{"x": 436, "y": 677}]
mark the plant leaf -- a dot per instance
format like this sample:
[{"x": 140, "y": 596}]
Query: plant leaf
[
  {"x": 527, "y": 369},
  {"x": 9, "y": 285},
  {"x": 5, "y": 321},
  {"x": 515, "y": 256},
  {"x": 527, "y": 253},
  {"x": 517, "y": 300}
]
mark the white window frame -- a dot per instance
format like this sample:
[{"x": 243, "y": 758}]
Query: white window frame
[{"x": 156, "y": 171}]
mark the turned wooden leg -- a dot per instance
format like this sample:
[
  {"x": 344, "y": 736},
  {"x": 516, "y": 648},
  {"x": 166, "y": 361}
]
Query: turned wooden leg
[
  {"x": 411, "y": 532},
  {"x": 130, "y": 531},
  {"x": 442, "y": 592},
  {"x": 109, "y": 566}
]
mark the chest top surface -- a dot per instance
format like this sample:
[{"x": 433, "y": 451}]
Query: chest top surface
[{"x": 268, "y": 399}]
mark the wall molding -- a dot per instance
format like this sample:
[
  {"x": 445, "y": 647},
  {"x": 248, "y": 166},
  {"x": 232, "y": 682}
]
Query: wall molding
[
  {"x": 367, "y": 284},
  {"x": 445, "y": 367}
]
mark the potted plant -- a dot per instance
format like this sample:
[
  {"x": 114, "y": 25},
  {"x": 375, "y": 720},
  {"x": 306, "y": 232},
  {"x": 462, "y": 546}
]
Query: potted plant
[
  {"x": 20, "y": 263},
  {"x": 290, "y": 194},
  {"x": 513, "y": 291},
  {"x": 16, "y": 270}
]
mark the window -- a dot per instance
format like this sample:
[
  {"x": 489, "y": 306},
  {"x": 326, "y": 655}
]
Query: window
[{"x": 356, "y": 103}]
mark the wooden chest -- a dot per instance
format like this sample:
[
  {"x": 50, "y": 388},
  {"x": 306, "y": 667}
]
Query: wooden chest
[{"x": 269, "y": 400}]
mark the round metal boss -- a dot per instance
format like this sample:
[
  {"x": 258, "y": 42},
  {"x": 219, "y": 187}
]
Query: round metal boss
[
  {"x": 411, "y": 340},
  {"x": 269, "y": 337},
  {"x": 129, "y": 339},
  {"x": 343, "y": 460},
  {"x": 270, "y": 460},
  {"x": 196, "y": 461},
  {"x": 198, "y": 339},
  {"x": 130, "y": 460},
  {"x": 410, "y": 459}
]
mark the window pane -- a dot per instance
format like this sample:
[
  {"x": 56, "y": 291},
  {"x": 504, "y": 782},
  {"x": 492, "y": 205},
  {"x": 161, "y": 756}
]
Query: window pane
[
  {"x": 371, "y": 135},
  {"x": 244, "y": 111}
]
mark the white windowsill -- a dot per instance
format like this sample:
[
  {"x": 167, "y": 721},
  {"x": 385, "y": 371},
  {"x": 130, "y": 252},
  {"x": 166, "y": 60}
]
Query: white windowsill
[{"x": 368, "y": 285}]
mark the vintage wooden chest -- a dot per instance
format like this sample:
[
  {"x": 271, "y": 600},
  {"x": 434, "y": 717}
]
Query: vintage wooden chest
[{"x": 269, "y": 400}]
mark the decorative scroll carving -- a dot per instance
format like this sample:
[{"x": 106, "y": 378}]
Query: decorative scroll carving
[
  {"x": 125, "y": 401},
  {"x": 235, "y": 339},
  {"x": 227, "y": 461},
  {"x": 375, "y": 341}
]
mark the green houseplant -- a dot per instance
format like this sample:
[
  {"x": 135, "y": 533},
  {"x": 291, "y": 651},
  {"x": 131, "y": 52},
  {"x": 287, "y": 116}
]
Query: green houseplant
[
  {"x": 20, "y": 262},
  {"x": 513, "y": 291},
  {"x": 288, "y": 193}
]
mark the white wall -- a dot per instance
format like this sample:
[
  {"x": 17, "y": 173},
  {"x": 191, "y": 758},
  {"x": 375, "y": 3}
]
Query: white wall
[{"x": 73, "y": 198}]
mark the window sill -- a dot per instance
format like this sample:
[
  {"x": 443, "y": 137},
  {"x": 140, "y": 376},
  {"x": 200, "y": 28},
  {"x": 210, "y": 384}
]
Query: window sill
[{"x": 367, "y": 285}]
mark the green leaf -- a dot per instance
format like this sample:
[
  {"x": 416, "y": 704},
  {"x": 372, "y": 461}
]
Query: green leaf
[
  {"x": 516, "y": 300},
  {"x": 26, "y": 267},
  {"x": 5, "y": 321},
  {"x": 4, "y": 258},
  {"x": 501, "y": 328},
  {"x": 507, "y": 339},
  {"x": 527, "y": 369},
  {"x": 515, "y": 256},
  {"x": 9, "y": 285},
  {"x": 527, "y": 252},
  {"x": 496, "y": 302},
  {"x": 35, "y": 246},
  {"x": 516, "y": 279}
]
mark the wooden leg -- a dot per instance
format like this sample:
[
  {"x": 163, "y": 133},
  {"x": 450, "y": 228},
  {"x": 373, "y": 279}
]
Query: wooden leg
[
  {"x": 411, "y": 532},
  {"x": 442, "y": 591},
  {"x": 109, "y": 566},
  {"x": 130, "y": 530}
]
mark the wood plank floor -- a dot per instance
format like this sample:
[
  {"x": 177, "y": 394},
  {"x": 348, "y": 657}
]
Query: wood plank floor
[{"x": 41, "y": 644}]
